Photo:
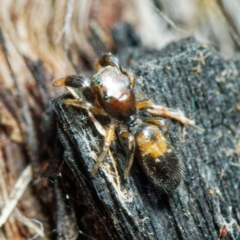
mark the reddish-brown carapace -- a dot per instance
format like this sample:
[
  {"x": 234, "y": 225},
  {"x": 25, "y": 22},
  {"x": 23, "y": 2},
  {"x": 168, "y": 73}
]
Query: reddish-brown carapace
[{"x": 110, "y": 93}]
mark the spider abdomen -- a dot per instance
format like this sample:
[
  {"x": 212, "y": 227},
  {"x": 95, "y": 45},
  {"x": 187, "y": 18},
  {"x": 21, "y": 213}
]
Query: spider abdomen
[{"x": 158, "y": 159}]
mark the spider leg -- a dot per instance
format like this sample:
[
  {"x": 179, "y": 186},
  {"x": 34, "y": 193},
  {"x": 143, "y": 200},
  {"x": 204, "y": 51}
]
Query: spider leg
[
  {"x": 162, "y": 111},
  {"x": 176, "y": 115},
  {"x": 107, "y": 59},
  {"x": 77, "y": 85},
  {"x": 85, "y": 105},
  {"x": 131, "y": 146},
  {"x": 107, "y": 143},
  {"x": 144, "y": 103},
  {"x": 90, "y": 110},
  {"x": 157, "y": 122},
  {"x": 74, "y": 81}
]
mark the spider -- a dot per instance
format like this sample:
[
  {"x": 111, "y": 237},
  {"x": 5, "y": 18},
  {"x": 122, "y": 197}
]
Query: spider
[{"x": 110, "y": 93}]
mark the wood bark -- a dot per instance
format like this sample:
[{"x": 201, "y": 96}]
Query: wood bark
[{"x": 195, "y": 79}]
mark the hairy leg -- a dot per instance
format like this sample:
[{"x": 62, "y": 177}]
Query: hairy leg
[
  {"x": 124, "y": 134},
  {"x": 176, "y": 115},
  {"x": 107, "y": 143},
  {"x": 91, "y": 111},
  {"x": 79, "y": 82},
  {"x": 162, "y": 111}
]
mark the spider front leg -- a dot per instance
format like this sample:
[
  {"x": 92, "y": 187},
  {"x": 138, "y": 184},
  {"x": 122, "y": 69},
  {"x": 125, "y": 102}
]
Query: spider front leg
[
  {"x": 73, "y": 82},
  {"x": 124, "y": 134},
  {"x": 107, "y": 59},
  {"x": 79, "y": 87}
]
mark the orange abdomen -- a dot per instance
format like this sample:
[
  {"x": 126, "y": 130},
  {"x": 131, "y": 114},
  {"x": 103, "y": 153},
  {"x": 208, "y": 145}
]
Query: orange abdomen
[{"x": 158, "y": 160}]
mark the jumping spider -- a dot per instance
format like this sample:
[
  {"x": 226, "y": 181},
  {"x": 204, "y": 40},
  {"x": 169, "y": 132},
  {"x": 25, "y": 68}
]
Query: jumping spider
[{"x": 110, "y": 93}]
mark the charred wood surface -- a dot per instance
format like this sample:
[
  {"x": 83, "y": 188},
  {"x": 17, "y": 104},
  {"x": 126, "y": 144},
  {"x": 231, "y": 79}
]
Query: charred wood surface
[{"x": 185, "y": 75}]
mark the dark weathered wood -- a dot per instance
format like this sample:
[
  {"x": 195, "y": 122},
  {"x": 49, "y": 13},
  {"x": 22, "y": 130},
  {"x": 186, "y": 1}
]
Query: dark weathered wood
[{"x": 185, "y": 75}]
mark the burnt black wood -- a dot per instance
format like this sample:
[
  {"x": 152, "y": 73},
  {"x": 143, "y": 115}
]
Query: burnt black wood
[{"x": 194, "y": 78}]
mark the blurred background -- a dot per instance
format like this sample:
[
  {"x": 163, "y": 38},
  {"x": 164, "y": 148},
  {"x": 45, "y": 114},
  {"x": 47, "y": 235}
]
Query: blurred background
[
  {"x": 51, "y": 31},
  {"x": 44, "y": 40}
]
